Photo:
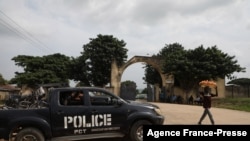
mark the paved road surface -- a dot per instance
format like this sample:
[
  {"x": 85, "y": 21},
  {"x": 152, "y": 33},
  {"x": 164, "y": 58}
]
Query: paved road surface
[{"x": 178, "y": 114}]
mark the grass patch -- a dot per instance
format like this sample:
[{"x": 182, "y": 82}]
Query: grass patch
[{"x": 241, "y": 104}]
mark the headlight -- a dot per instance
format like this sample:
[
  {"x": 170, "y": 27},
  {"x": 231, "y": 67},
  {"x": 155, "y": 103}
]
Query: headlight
[{"x": 158, "y": 111}]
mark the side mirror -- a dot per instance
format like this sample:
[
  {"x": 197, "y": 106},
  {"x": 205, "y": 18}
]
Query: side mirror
[{"x": 117, "y": 101}]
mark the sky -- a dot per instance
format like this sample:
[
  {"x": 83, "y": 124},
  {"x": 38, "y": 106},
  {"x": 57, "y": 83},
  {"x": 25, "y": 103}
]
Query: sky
[{"x": 45, "y": 27}]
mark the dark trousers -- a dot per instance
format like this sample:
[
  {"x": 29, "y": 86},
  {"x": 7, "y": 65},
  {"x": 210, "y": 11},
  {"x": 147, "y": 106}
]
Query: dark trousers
[{"x": 205, "y": 113}]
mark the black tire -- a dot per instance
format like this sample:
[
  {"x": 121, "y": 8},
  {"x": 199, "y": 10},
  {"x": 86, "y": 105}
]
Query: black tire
[
  {"x": 136, "y": 132},
  {"x": 30, "y": 134}
]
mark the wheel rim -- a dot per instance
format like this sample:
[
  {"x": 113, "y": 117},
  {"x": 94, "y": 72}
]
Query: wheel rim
[
  {"x": 139, "y": 133},
  {"x": 29, "y": 138}
]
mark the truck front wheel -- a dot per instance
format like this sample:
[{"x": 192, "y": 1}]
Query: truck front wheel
[
  {"x": 30, "y": 134},
  {"x": 136, "y": 132}
]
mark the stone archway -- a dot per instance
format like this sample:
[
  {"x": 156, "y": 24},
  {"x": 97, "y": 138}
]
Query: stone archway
[{"x": 116, "y": 72}]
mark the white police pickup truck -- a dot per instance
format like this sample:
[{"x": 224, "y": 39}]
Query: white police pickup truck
[{"x": 77, "y": 114}]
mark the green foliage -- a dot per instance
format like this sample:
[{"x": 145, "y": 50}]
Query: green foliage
[
  {"x": 78, "y": 71},
  {"x": 41, "y": 70},
  {"x": 212, "y": 63},
  {"x": 98, "y": 55},
  {"x": 2, "y": 80},
  {"x": 128, "y": 83},
  {"x": 171, "y": 53},
  {"x": 191, "y": 66},
  {"x": 93, "y": 67},
  {"x": 152, "y": 76},
  {"x": 144, "y": 91}
]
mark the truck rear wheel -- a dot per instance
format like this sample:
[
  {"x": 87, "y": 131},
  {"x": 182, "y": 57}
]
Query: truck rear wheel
[
  {"x": 136, "y": 132},
  {"x": 30, "y": 134}
]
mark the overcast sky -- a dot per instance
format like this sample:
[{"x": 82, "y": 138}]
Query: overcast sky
[{"x": 43, "y": 27}]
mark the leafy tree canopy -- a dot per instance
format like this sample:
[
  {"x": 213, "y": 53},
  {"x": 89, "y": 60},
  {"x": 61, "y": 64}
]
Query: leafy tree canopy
[
  {"x": 2, "y": 80},
  {"x": 152, "y": 76},
  {"x": 144, "y": 91},
  {"x": 128, "y": 83},
  {"x": 78, "y": 71},
  {"x": 169, "y": 52},
  {"x": 189, "y": 67},
  {"x": 41, "y": 70},
  {"x": 97, "y": 57}
]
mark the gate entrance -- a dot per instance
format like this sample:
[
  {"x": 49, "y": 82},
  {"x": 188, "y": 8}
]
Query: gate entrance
[{"x": 116, "y": 73}]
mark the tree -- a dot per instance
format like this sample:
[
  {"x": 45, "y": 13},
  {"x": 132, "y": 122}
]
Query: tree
[
  {"x": 2, "y": 80},
  {"x": 168, "y": 52},
  {"x": 78, "y": 71},
  {"x": 152, "y": 76},
  {"x": 176, "y": 61},
  {"x": 191, "y": 66},
  {"x": 144, "y": 91},
  {"x": 129, "y": 83},
  {"x": 98, "y": 55},
  {"x": 41, "y": 70}
]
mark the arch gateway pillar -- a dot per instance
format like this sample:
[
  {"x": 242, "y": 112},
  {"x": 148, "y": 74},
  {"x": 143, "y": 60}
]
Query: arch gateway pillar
[
  {"x": 116, "y": 74},
  {"x": 115, "y": 78}
]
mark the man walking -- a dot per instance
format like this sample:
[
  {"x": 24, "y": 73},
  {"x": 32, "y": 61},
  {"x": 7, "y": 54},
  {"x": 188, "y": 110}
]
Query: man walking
[{"x": 207, "y": 103}]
